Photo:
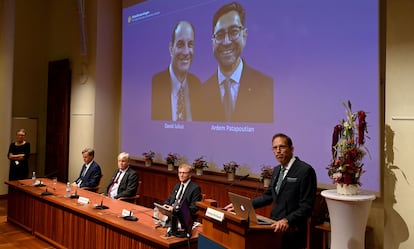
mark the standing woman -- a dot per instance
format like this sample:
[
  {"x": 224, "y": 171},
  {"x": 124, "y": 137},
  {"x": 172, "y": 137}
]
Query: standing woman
[{"x": 18, "y": 155}]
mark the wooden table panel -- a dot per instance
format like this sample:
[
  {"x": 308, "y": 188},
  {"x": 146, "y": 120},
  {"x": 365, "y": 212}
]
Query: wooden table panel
[{"x": 65, "y": 223}]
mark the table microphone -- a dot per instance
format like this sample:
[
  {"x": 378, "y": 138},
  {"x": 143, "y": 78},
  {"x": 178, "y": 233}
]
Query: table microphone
[
  {"x": 101, "y": 206},
  {"x": 40, "y": 184},
  {"x": 75, "y": 195},
  {"x": 130, "y": 217},
  {"x": 46, "y": 192}
]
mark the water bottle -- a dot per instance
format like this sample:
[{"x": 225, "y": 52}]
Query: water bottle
[
  {"x": 155, "y": 216},
  {"x": 34, "y": 178},
  {"x": 156, "y": 213},
  {"x": 67, "y": 189}
]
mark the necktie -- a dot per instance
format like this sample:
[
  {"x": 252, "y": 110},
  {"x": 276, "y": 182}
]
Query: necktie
[
  {"x": 181, "y": 104},
  {"x": 179, "y": 196},
  {"x": 84, "y": 170},
  {"x": 82, "y": 175},
  {"x": 280, "y": 179},
  {"x": 114, "y": 182},
  {"x": 227, "y": 102}
]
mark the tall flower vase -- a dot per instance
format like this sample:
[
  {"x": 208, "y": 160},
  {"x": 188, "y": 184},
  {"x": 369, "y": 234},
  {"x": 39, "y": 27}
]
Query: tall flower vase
[
  {"x": 199, "y": 172},
  {"x": 230, "y": 176},
  {"x": 148, "y": 162},
  {"x": 266, "y": 182},
  {"x": 170, "y": 167},
  {"x": 348, "y": 215},
  {"x": 346, "y": 189}
]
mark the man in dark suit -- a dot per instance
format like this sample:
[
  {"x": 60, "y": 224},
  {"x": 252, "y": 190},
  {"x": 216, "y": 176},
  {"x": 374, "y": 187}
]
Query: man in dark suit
[
  {"x": 185, "y": 190},
  {"x": 293, "y": 197},
  {"x": 90, "y": 174},
  {"x": 124, "y": 182},
  {"x": 175, "y": 91},
  {"x": 236, "y": 92}
]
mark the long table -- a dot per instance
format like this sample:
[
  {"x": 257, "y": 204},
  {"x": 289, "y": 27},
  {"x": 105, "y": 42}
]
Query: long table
[{"x": 65, "y": 223}]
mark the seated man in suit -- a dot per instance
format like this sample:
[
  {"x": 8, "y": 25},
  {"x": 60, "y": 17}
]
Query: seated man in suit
[
  {"x": 124, "y": 182},
  {"x": 90, "y": 174},
  {"x": 185, "y": 190}
]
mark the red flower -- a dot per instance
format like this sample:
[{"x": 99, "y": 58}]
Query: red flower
[
  {"x": 348, "y": 139},
  {"x": 362, "y": 127}
]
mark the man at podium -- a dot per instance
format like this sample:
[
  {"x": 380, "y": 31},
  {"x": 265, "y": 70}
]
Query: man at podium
[{"x": 292, "y": 192}]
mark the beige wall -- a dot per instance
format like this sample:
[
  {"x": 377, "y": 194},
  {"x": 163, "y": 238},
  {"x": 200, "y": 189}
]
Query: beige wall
[
  {"x": 399, "y": 120},
  {"x": 49, "y": 30},
  {"x": 6, "y": 85}
]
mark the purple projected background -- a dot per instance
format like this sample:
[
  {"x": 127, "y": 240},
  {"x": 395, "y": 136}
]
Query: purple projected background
[{"x": 319, "y": 53}]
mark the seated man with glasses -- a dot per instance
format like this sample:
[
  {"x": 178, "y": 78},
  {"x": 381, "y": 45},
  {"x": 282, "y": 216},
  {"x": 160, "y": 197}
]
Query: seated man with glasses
[
  {"x": 236, "y": 92},
  {"x": 184, "y": 190}
]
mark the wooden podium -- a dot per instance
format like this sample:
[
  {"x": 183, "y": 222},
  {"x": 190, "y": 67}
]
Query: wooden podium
[{"x": 235, "y": 232}]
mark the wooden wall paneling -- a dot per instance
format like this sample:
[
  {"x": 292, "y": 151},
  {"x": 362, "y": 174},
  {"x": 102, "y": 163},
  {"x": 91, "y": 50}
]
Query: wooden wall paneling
[{"x": 153, "y": 188}]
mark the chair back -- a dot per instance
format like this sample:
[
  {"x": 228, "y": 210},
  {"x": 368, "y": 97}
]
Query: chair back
[
  {"x": 133, "y": 199},
  {"x": 96, "y": 188}
]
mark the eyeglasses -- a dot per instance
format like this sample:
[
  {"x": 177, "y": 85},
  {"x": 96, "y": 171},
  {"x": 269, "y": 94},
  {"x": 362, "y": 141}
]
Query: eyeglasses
[
  {"x": 183, "y": 173},
  {"x": 280, "y": 147},
  {"x": 233, "y": 34}
]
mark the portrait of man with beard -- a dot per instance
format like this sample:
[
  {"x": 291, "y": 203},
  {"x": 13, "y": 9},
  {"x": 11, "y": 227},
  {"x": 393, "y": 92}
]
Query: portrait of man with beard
[
  {"x": 235, "y": 92},
  {"x": 175, "y": 91}
]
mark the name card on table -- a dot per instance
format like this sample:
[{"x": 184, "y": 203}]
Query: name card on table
[
  {"x": 83, "y": 200},
  {"x": 214, "y": 214},
  {"x": 126, "y": 212}
]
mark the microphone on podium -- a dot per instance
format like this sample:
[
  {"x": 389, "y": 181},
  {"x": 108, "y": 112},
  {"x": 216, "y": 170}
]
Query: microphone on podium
[
  {"x": 130, "y": 217},
  {"x": 101, "y": 206},
  {"x": 229, "y": 186},
  {"x": 244, "y": 177}
]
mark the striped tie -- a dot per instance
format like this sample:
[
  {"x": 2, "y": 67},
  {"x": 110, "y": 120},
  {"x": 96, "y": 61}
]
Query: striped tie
[
  {"x": 227, "y": 100},
  {"x": 181, "y": 116},
  {"x": 280, "y": 179}
]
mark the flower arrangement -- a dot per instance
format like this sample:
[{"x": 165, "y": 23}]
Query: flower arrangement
[
  {"x": 230, "y": 167},
  {"x": 266, "y": 172},
  {"x": 171, "y": 158},
  {"x": 149, "y": 155},
  {"x": 348, "y": 148},
  {"x": 200, "y": 163}
]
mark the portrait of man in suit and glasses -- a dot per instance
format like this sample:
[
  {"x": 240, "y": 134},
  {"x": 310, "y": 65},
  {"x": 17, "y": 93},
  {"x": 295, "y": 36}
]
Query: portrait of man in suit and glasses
[{"x": 235, "y": 92}]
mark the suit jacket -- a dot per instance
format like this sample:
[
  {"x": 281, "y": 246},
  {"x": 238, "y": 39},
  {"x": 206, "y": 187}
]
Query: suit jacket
[
  {"x": 161, "y": 96},
  {"x": 192, "y": 194},
  {"x": 254, "y": 101},
  {"x": 128, "y": 185},
  {"x": 294, "y": 201},
  {"x": 92, "y": 176}
]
